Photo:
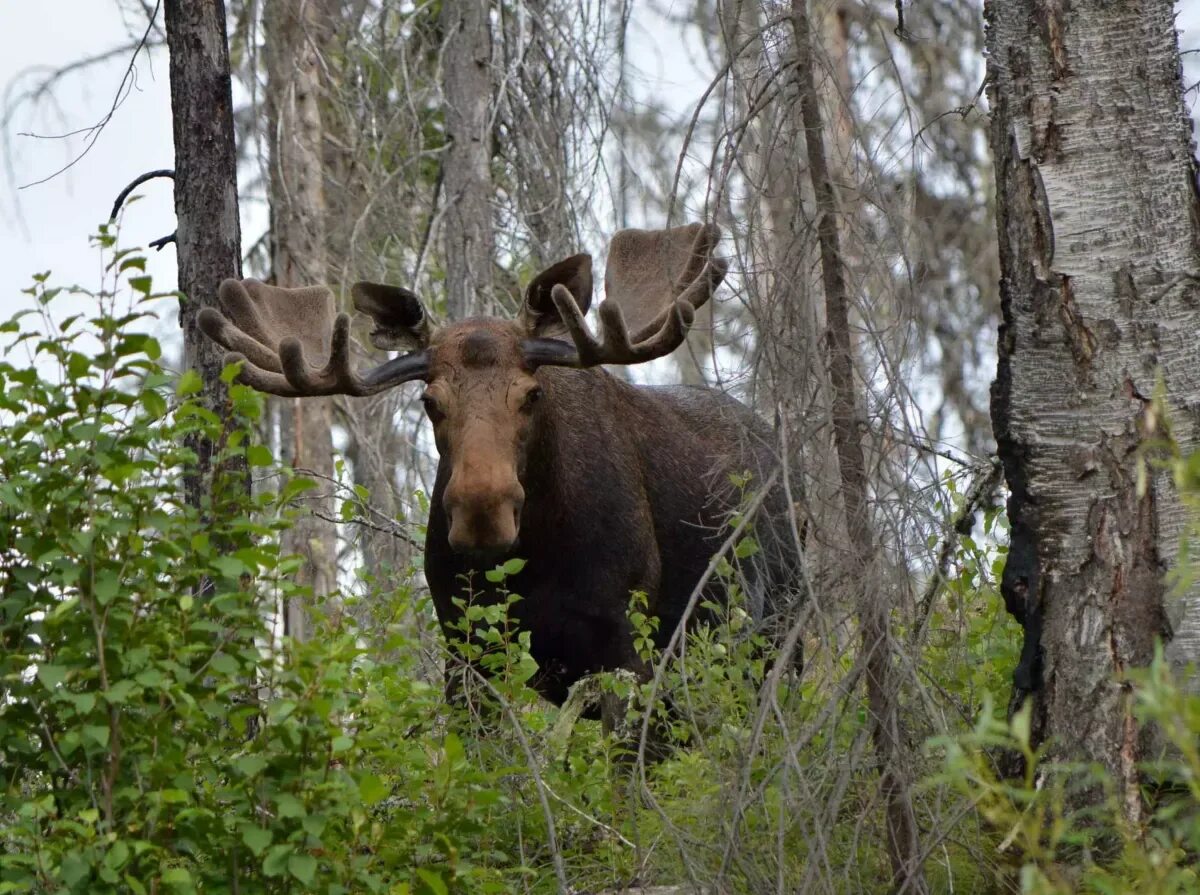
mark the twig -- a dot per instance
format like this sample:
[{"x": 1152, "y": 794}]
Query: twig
[
  {"x": 93, "y": 131},
  {"x": 560, "y": 869},
  {"x": 137, "y": 181},
  {"x": 693, "y": 601},
  {"x": 981, "y": 490},
  {"x": 960, "y": 111},
  {"x": 157, "y": 244},
  {"x": 392, "y": 528}
]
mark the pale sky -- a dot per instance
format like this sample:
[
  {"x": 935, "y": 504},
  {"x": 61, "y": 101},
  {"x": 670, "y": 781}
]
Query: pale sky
[{"x": 46, "y": 227}]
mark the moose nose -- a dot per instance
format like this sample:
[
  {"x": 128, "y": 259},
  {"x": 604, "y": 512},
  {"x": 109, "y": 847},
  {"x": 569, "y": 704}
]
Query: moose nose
[{"x": 483, "y": 524}]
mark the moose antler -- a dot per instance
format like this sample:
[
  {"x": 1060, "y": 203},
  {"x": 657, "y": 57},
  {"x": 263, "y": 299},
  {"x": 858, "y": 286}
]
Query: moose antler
[
  {"x": 655, "y": 282},
  {"x": 292, "y": 344}
]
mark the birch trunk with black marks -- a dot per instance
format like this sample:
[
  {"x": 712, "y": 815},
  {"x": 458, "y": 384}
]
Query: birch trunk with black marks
[
  {"x": 208, "y": 237},
  {"x": 467, "y": 91},
  {"x": 1099, "y": 228},
  {"x": 883, "y": 691},
  {"x": 295, "y": 34}
]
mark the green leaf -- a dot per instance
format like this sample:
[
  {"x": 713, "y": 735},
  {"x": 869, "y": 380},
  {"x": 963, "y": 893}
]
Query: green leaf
[
  {"x": 296, "y": 487},
  {"x": 510, "y": 567},
  {"x": 433, "y": 881},
  {"x": 117, "y": 855},
  {"x": 745, "y": 548},
  {"x": 190, "y": 383},
  {"x": 250, "y": 765},
  {"x": 74, "y": 868},
  {"x": 177, "y": 876},
  {"x": 51, "y": 675},
  {"x": 277, "y": 860},
  {"x": 223, "y": 663},
  {"x": 229, "y": 566},
  {"x": 303, "y": 867},
  {"x": 453, "y": 748},
  {"x": 371, "y": 789},
  {"x": 256, "y": 838},
  {"x": 259, "y": 455},
  {"x": 155, "y": 404},
  {"x": 119, "y": 692},
  {"x": 289, "y": 806},
  {"x": 97, "y": 734}
]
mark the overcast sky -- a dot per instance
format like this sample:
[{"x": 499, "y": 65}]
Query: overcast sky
[{"x": 46, "y": 226}]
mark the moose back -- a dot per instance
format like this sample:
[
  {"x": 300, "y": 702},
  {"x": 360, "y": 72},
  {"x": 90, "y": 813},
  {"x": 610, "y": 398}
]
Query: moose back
[{"x": 603, "y": 487}]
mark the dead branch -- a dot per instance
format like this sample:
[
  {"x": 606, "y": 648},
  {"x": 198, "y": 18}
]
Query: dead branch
[{"x": 903, "y": 844}]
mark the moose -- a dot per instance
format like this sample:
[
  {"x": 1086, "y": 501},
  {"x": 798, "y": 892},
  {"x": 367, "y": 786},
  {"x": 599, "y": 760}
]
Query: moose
[{"x": 602, "y": 487}]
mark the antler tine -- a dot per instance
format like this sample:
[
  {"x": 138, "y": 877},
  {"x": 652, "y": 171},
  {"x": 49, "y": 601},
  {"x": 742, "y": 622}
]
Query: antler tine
[
  {"x": 280, "y": 366},
  {"x": 614, "y": 345},
  {"x": 335, "y": 377}
]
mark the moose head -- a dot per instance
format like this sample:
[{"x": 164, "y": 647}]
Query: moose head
[{"x": 483, "y": 394}]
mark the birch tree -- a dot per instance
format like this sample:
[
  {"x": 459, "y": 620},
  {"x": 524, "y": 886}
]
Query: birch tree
[{"x": 1099, "y": 228}]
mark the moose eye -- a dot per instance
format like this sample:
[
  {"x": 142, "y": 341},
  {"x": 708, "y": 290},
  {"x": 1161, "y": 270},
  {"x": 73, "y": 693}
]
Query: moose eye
[
  {"x": 431, "y": 408},
  {"x": 532, "y": 397}
]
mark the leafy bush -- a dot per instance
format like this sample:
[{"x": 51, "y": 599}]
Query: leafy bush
[{"x": 155, "y": 733}]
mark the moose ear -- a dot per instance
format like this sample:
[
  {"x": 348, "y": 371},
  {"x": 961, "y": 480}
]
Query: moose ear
[
  {"x": 401, "y": 323},
  {"x": 539, "y": 313}
]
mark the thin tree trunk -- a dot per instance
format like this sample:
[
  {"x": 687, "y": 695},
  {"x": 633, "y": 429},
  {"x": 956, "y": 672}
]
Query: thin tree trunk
[
  {"x": 882, "y": 688},
  {"x": 1100, "y": 253},
  {"x": 467, "y": 87},
  {"x": 208, "y": 236},
  {"x": 294, "y": 32}
]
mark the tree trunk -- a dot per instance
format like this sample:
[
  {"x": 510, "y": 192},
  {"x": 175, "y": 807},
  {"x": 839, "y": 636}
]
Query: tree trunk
[
  {"x": 467, "y": 87},
  {"x": 208, "y": 236},
  {"x": 903, "y": 846},
  {"x": 294, "y": 41},
  {"x": 1100, "y": 252}
]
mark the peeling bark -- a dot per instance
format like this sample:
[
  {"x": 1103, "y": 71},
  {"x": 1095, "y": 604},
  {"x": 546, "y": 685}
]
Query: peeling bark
[
  {"x": 1097, "y": 218},
  {"x": 208, "y": 236}
]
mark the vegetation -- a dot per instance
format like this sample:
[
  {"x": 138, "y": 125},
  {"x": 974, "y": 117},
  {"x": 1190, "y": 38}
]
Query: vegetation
[{"x": 158, "y": 734}]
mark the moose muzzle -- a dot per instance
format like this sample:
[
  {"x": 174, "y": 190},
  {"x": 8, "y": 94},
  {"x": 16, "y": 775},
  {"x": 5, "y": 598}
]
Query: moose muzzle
[{"x": 484, "y": 513}]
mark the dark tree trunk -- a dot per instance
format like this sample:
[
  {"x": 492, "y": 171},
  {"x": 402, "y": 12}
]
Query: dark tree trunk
[
  {"x": 208, "y": 236},
  {"x": 1100, "y": 252}
]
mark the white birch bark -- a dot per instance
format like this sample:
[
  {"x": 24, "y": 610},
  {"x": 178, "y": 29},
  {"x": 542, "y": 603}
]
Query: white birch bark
[{"x": 1100, "y": 250}]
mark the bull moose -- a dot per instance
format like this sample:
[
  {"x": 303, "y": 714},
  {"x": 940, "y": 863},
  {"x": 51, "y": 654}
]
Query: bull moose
[{"x": 603, "y": 487}]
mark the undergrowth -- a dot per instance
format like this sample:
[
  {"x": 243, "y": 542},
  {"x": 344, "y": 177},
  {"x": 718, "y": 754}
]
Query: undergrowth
[{"x": 157, "y": 734}]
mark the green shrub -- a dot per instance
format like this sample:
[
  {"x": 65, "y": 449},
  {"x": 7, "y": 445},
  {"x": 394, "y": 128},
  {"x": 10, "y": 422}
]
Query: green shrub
[{"x": 155, "y": 733}]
